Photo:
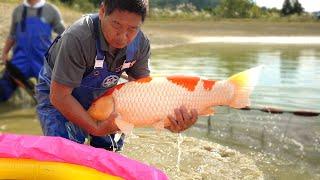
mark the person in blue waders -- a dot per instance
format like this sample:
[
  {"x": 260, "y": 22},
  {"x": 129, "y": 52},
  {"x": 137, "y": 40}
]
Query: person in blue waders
[
  {"x": 30, "y": 35},
  {"x": 84, "y": 62}
]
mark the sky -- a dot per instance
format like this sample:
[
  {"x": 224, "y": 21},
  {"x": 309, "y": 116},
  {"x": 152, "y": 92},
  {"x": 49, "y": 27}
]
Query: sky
[{"x": 308, "y": 5}]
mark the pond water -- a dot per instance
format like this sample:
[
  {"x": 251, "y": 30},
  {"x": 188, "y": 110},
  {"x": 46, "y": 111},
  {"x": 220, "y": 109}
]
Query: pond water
[
  {"x": 290, "y": 79},
  {"x": 279, "y": 146}
]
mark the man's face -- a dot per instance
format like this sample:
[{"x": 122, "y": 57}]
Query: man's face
[
  {"x": 120, "y": 27},
  {"x": 33, "y": 1}
]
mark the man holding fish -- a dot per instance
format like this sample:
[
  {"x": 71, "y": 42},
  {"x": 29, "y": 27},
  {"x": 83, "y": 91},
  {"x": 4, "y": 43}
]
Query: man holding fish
[{"x": 87, "y": 60}]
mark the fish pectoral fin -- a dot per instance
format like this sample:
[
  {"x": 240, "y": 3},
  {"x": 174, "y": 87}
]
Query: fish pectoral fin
[
  {"x": 159, "y": 125},
  {"x": 125, "y": 127},
  {"x": 207, "y": 112}
]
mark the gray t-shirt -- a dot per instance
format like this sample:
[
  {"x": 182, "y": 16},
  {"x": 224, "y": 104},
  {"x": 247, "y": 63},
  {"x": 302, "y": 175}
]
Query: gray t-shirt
[
  {"x": 75, "y": 51},
  {"x": 49, "y": 13}
]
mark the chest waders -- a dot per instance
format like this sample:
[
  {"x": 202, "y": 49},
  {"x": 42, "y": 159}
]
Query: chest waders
[
  {"x": 95, "y": 82},
  {"x": 33, "y": 38}
]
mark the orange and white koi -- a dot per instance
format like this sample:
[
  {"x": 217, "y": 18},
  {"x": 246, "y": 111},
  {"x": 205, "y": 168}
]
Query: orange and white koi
[{"x": 148, "y": 101}]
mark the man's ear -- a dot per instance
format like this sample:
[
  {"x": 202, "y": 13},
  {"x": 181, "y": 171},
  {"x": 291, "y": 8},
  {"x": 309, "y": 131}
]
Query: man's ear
[{"x": 102, "y": 10}]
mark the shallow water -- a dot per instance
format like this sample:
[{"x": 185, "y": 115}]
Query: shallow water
[
  {"x": 189, "y": 158},
  {"x": 275, "y": 146}
]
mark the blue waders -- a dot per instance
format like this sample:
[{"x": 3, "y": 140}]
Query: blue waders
[
  {"x": 95, "y": 82},
  {"x": 33, "y": 38}
]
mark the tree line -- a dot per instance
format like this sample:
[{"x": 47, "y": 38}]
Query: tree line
[{"x": 221, "y": 8}]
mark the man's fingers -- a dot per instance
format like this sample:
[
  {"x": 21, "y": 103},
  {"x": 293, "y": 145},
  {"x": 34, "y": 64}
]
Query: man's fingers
[
  {"x": 178, "y": 114},
  {"x": 173, "y": 121},
  {"x": 182, "y": 120},
  {"x": 174, "y": 126},
  {"x": 185, "y": 114}
]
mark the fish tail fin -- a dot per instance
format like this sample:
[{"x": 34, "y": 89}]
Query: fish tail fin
[{"x": 244, "y": 83}]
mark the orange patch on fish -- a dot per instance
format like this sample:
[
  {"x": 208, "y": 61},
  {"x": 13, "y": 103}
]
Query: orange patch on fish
[
  {"x": 208, "y": 84},
  {"x": 144, "y": 80},
  {"x": 187, "y": 82}
]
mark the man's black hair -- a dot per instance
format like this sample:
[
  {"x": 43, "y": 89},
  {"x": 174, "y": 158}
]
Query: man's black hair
[{"x": 134, "y": 6}]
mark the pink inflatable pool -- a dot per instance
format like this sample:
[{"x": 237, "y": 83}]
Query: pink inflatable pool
[{"x": 56, "y": 149}]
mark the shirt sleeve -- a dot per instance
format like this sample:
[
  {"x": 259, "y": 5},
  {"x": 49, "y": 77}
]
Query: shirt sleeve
[
  {"x": 70, "y": 63},
  {"x": 57, "y": 23},
  {"x": 141, "y": 67}
]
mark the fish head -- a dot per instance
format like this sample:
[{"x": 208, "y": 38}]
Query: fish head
[{"x": 101, "y": 108}]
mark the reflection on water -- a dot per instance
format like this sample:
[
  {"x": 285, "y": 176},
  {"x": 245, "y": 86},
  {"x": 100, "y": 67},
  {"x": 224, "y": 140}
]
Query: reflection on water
[{"x": 283, "y": 146}]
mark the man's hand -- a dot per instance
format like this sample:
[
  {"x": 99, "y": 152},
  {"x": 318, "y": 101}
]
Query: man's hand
[
  {"x": 5, "y": 51},
  {"x": 105, "y": 127},
  {"x": 62, "y": 99},
  {"x": 183, "y": 119}
]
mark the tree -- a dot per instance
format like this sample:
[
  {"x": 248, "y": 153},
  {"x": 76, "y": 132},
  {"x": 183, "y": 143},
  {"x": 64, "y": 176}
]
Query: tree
[
  {"x": 234, "y": 8},
  {"x": 291, "y": 7},
  {"x": 287, "y": 8},
  {"x": 297, "y": 8}
]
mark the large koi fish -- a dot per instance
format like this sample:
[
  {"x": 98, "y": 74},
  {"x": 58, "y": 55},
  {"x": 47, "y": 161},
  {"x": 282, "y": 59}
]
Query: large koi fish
[{"x": 148, "y": 101}]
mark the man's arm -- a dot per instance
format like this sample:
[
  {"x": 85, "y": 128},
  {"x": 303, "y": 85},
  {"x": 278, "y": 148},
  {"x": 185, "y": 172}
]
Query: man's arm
[
  {"x": 57, "y": 23},
  {"x": 10, "y": 41},
  {"x": 62, "y": 99},
  {"x": 6, "y": 49}
]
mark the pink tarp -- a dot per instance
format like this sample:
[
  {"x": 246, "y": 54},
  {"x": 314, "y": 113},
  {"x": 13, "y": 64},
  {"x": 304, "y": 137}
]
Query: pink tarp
[{"x": 44, "y": 148}]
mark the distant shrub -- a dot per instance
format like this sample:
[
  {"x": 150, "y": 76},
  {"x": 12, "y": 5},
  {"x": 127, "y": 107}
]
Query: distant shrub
[
  {"x": 84, "y": 6},
  {"x": 181, "y": 12}
]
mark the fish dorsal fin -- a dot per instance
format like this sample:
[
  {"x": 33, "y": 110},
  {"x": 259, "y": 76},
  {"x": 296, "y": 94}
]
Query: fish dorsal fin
[{"x": 188, "y": 82}]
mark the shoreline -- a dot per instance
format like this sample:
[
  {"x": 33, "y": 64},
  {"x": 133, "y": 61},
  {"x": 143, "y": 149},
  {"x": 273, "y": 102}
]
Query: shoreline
[
  {"x": 238, "y": 40},
  {"x": 295, "y": 40}
]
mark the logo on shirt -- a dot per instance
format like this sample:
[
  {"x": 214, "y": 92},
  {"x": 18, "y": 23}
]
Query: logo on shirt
[{"x": 110, "y": 81}]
